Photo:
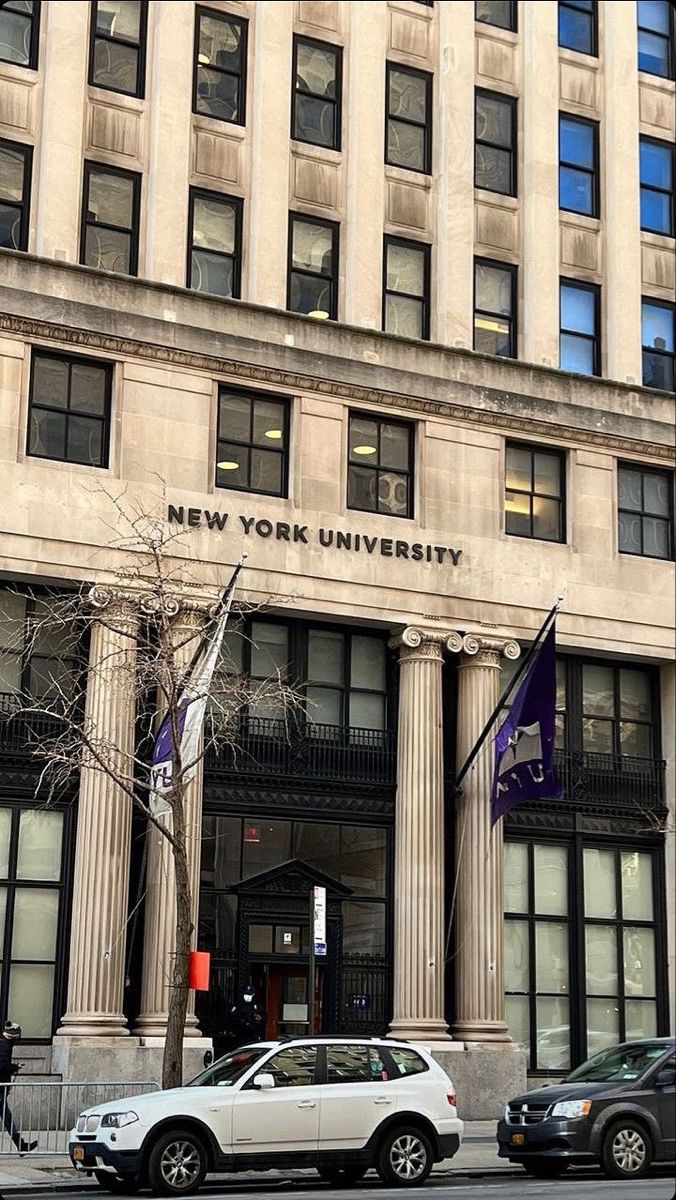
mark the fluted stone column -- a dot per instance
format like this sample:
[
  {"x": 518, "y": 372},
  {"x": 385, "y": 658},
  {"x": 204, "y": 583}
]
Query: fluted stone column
[
  {"x": 419, "y": 841},
  {"x": 101, "y": 882},
  {"x": 478, "y": 924},
  {"x": 160, "y": 915}
]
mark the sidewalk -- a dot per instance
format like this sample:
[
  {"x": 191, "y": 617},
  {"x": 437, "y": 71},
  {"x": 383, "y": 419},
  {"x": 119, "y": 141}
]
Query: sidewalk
[{"x": 477, "y": 1155}]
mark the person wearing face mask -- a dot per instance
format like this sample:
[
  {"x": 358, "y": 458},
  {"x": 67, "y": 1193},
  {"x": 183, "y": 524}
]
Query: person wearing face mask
[
  {"x": 10, "y": 1034},
  {"x": 245, "y": 1019}
]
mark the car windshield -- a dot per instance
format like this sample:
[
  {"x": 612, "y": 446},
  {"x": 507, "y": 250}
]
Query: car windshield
[
  {"x": 229, "y": 1069},
  {"x": 618, "y": 1062}
]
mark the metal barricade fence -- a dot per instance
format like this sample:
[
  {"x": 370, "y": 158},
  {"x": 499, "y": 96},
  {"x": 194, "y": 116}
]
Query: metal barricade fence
[{"x": 46, "y": 1112}]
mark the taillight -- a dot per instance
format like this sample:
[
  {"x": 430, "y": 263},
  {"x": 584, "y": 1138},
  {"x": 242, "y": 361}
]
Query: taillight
[{"x": 452, "y": 1099}]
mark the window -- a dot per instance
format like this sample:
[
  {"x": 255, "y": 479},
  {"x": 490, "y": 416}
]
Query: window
[
  {"x": 657, "y": 186},
  {"x": 494, "y": 308},
  {"x": 313, "y": 267},
  {"x": 578, "y": 166},
  {"x": 407, "y": 1062},
  {"x": 220, "y": 66},
  {"x": 579, "y": 342},
  {"x": 408, "y": 134},
  {"x": 19, "y": 24},
  {"x": 110, "y": 219},
  {"x": 346, "y": 680},
  {"x": 501, "y": 13},
  {"x": 380, "y": 466},
  {"x": 316, "y": 100},
  {"x": 495, "y": 143},
  {"x": 658, "y": 320},
  {"x": 15, "y": 190},
  {"x": 215, "y": 250},
  {"x": 645, "y": 506},
  {"x": 578, "y": 25},
  {"x": 534, "y": 491},
  {"x": 617, "y": 710},
  {"x": 31, "y": 893},
  {"x": 118, "y": 46},
  {"x": 69, "y": 409},
  {"x": 293, "y": 1067},
  {"x": 656, "y": 37},
  {"x": 348, "y": 1064},
  {"x": 38, "y": 654},
  {"x": 253, "y": 435},
  {"x": 406, "y": 288}
]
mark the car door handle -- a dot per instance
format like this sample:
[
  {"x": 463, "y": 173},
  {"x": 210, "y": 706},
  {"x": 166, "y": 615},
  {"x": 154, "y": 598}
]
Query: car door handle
[
  {"x": 382, "y": 1100},
  {"x": 305, "y": 1104}
]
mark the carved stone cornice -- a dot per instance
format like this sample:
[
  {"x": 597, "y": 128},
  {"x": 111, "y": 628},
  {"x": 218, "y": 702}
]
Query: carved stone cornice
[
  {"x": 481, "y": 651},
  {"x": 294, "y": 381},
  {"x": 414, "y": 644},
  {"x": 119, "y": 601}
]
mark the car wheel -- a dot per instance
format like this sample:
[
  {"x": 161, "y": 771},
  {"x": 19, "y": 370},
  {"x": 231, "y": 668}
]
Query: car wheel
[
  {"x": 120, "y": 1185},
  {"x": 627, "y": 1150},
  {"x": 177, "y": 1163},
  {"x": 546, "y": 1168},
  {"x": 342, "y": 1176},
  {"x": 405, "y": 1157}
]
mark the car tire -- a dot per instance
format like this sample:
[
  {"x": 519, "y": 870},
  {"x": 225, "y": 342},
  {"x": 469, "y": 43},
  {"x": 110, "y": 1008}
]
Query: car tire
[
  {"x": 627, "y": 1150},
  {"x": 546, "y": 1168},
  {"x": 120, "y": 1185},
  {"x": 177, "y": 1163},
  {"x": 342, "y": 1176},
  {"x": 405, "y": 1157}
]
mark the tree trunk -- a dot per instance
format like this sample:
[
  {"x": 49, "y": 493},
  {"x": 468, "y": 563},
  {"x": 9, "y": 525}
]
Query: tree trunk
[{"x": 172, "y": 1062}]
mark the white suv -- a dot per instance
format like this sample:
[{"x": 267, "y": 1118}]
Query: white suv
[{"x": 340, "y": 1105}]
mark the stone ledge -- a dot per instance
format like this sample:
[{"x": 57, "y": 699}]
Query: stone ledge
[{"x": 484, "y": 1077}]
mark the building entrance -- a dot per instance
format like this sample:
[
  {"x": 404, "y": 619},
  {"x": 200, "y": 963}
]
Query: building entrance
[{"x": 282, "y": 991}]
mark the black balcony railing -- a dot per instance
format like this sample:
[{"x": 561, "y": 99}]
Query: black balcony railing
[
  {"x": 612, "y": 780},
  {"x": 264, "y": 746},
  {"x": 21, "y": 731}
]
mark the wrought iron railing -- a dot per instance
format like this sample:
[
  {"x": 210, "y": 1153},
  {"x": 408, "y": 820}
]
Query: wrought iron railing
[
  {"x": 611, "y": 779},
  {"x": 366, "y": 995},
  {"x": 22, "y": 731}
]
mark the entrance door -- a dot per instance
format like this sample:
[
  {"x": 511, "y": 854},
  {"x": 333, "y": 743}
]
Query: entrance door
[{"x": 287, "y": 1001}]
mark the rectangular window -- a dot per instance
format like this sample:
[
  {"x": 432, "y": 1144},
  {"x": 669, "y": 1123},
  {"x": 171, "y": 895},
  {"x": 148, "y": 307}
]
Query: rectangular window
[
  {"x": 495, "y": 143},
  {"x": 658, "y": 337},
  {"x": 657, "y": 186},
  {"x": 494, "y": 308},
  {"x": 347, "y": 684},
  {"x": 578, "y": 165},
  {"x": 38, "y": 655},
  {"x": 380, "y": 466},
  {"x": 117, "y": 48},
  {"x": 215, "y": 249},
  {"x": 646, "y": 511},
  {"x": 313, "y": 267},
  {"x": 316, "y": 100},
  {"x": 501, "y": 13},
  {"x": 578, "y": 26},
  {"x": 406, "y": 288},
  {"x": 580, "y": 349},
  {"x": 69, "y": 409},
  {"x": 618, "y": 711},
  {"x": 253, "y": 435},
  {"x": 15, "y": 192},
  {"x": 19, "y": 28},
  {"x": 408, "y": 134},
  {"x": 534, "y": 492},
  {"x": 220, "y": 66},
  {"x": 656, "y": 37},
  {"x": 110, "y": 219}
]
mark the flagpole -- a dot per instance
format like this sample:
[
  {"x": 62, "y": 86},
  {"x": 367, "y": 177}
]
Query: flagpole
[{"x": 223, "y": 600}]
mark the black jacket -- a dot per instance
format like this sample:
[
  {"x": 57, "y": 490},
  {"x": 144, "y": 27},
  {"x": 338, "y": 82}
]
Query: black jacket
[{"x": 6, "y": 1065}]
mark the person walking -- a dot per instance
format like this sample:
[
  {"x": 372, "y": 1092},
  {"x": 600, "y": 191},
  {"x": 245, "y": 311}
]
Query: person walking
[
  {"x": 245, "y": 1019},
  {"x": 10, "y": 1034}
]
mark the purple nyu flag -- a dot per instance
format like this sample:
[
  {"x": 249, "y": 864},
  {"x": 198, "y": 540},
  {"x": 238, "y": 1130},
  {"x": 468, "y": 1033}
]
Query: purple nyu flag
[{"x": 524, "y": 745}]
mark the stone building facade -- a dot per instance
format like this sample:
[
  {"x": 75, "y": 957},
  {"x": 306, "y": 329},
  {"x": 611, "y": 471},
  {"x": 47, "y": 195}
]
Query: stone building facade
[{"x": 382, "y": 294}]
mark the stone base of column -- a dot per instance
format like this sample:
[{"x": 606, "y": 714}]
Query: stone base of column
[
  {"x": 420, "y": 1029},
  {"x": 484, "y": 1077},
  {"x": 109, "y": 1025},
  {"x": 155, "y": 1025},
  {"x": 494, "y": 1032}
]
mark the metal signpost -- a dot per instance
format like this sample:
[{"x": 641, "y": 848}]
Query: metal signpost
[{"x": 317, "y": 945}]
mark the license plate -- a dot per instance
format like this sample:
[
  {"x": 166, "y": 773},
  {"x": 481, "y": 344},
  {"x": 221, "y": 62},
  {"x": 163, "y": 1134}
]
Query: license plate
[
  {"x": 518, "y": 1139},
  {"x": 78, "y": 1153}
]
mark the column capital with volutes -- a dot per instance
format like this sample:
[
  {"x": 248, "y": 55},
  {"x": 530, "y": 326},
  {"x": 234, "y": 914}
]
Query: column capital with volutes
[
  {"x": 425, "y": 644},
  {"x": 480, "y": 650}
]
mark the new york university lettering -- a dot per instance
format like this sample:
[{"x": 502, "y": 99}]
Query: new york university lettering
[{"x": 334, "y": 539}]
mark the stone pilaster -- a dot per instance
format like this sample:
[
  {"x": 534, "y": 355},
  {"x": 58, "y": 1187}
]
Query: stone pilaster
[
  {"x": 419, "y": 843},
  {"x": 101, "y": 879},
  {"x": 160, "y": 913},
  {"x": 478, "y": 918}
]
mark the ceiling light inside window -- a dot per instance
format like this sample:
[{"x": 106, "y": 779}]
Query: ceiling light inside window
[
  {"x": 319, "y": 314},
  {"x": 363, "y": 450},
  {"x": 273, "y": 434},
  {"x": 228, "y": 466}
]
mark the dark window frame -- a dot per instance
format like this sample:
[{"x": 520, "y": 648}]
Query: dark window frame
[
  {"x": 25, "y": 203},
  {"x": 573, "y": 711},
  {"x": 346, "y": 687},
  {"x": 32, "y": 64},
  {"x": 534, "y": 448},
  {"x": 332, "y": 279},
  {"x": 670, "y": 355},
  {"x": 105, "y": 420},
  {"x": 662, "y": 191},
  {"x": 593, "y": 15},
  {"x": 595, "y": 339},
  {"x": 140, "y": 47},
  {"x": 643, "y": 469},
  {"x": 337, "y": 102},
  {"x": 27, "y": 654},
  {"x": 513, "y": 26},
  {"x": 134, "y": 233},
  {"x": 669, "y": 38},
  {"x": 283, "y": 452},
  {"x": 428, "y": 78},
  {"x": 594, "y": 171},
  {"x": 228, "y": 18},
  {"x": 409, "y": 244},
  {"x": 512, "y": 149},
  {"x": 513, "y": 318},
  {"x": 409, "y": 474},
  {"x": 238, "y": 206}
]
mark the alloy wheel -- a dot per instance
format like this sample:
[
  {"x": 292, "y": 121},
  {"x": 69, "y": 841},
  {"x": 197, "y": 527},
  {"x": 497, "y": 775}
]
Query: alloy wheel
[
  {"x": 180, "y": 1165},
  {"x": 408, "y": 1156},
  {"x": 629, "y": 1150}
]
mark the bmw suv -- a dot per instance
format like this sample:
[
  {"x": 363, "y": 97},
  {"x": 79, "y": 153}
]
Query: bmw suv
[{"x": 340, "y": 1105}]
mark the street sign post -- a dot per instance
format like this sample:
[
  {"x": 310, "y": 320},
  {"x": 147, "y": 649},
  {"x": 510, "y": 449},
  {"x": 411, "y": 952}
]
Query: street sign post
[{"x": 317, "y": 945}]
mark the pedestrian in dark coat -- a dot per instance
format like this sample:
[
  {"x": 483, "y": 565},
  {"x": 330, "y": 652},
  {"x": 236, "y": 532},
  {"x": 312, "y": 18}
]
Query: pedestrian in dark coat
[{"x": 8, "y": 1069}]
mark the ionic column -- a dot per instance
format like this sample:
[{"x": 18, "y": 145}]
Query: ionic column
[
  {"x": 419, "y": 841},
  {"x": 478, "y": 918},
  {"x": 98, "y": 926},
  {"x": 159, "y": 937}
]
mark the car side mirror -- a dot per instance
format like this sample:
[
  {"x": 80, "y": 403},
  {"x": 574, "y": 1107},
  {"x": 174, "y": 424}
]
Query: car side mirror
[
  {"x": 666, "y": 1077},
  {"x": 264, "y": 1081},
  {"x": 208, "y": 1058}
]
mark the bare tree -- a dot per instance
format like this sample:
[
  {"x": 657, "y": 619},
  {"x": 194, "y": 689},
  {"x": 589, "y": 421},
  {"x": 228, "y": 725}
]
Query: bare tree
[{"x": 154, "y": 664}]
